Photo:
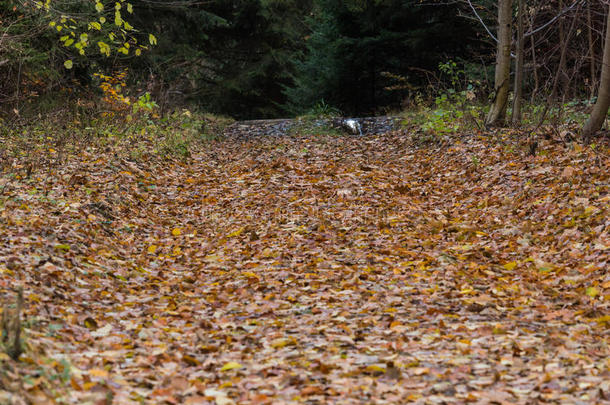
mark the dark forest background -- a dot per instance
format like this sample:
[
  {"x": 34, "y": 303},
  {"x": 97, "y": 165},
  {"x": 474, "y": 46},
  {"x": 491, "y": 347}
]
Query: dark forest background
[{"x": 271, "y": 58}]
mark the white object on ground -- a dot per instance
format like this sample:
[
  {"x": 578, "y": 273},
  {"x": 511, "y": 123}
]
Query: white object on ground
[{"x": 353, "y": 125}]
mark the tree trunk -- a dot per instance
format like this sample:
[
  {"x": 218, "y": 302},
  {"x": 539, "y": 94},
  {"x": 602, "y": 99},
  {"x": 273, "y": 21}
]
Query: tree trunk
[
  {"x": 600, "y": 110},
  {"x": 518, "y": 86},
  {"x": 591, "y": 50},
  {"x": 497, "y": 113},
  {"x": 565, "y": 81}
]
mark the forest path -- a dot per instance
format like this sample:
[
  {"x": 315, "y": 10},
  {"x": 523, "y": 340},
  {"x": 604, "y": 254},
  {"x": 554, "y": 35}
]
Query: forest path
[
  {"x": 281, "y": 127},
  {"x": 317, "y": 269}
]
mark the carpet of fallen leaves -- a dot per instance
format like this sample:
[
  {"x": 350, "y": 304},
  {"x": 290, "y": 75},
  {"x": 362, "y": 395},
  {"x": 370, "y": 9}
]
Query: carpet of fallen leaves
[{"x": 312, "y": 270}]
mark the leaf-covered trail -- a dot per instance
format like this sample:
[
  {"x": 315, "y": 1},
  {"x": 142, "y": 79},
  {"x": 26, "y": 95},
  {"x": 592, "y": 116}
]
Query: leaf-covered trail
[{"x": 317, "y": 270}]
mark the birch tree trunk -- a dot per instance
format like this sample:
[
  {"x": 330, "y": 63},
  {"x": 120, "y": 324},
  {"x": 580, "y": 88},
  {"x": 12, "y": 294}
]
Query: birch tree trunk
[
  {"x": 497, "y": 113},
  {"x": 600, "y": 110}
]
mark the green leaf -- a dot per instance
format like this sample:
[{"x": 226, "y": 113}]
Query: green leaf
[
  {"x": 68, "y": 42},
  {"x": 68, "y": 65}
]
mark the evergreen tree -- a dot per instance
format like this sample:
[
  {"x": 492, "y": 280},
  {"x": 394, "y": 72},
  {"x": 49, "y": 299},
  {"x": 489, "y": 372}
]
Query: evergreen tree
[
  {"x": 228, "y": 56},
  {"x": 355, "y": 43}
]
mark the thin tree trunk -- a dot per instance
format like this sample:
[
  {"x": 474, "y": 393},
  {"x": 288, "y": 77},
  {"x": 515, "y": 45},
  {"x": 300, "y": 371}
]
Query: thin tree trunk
[
  {"x": 600, "y": 110},
  {"x": 562, "y": 62},
  {"x": 497, "y": 113},
  {"x": 593, "y": 79},
  {"x": 518, "y": 86},
  {"x": 534, "y": 69}
]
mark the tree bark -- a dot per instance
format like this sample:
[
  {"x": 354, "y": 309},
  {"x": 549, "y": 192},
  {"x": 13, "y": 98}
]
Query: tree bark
[
  {"x": 534, "y": 67},
  {"x": 600, "y": 110},
  {"x": 565, "y": 82},
  {"x": 497, "y": 113},
  {"x": 591, "y": 50},
  {"x": 518, "y": 86}
]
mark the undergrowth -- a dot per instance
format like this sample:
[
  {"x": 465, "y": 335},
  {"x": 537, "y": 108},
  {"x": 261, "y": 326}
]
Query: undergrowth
[
  {"x": 318, "y": 120},
  {"x": 457, "y": 106},
  {"x": 140, "y": 135}
]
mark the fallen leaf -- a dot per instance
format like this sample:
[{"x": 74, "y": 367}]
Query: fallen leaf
[{"x": 231, "y": 366}]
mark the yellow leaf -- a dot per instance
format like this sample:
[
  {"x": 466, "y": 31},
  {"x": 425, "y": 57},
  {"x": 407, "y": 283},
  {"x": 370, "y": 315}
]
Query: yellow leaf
[
  {"x": 250, "y": 274},
  {"x": 231, "y": 366},
  {"x": 68, "y": 64},
  {"x": 375, "y": 369},
  {"x": 592, "y": 292},
  {"x": 510, "y": 266},
  {"x": 98, "y": 372},
  {"x": 152, "y": 249},
  {"x": 603, "y": 320},
  {"x": 176, "y": 232},
  {"x": 90, "y": 323},
  {"x": 237, "y": 232},
  {"x": 282, "y": 342}
]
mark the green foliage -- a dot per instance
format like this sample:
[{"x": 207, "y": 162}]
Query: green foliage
[
  {"x": 102, "y": 25},
  {"x": 144, "y": 105},
  {"x": 323, "y": 110},
  {"x": 454, "y": 109},
  {"x": 573, "y": 112}
]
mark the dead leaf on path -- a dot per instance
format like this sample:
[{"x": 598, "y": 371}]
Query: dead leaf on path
[{"x": 103, "y": 331}]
